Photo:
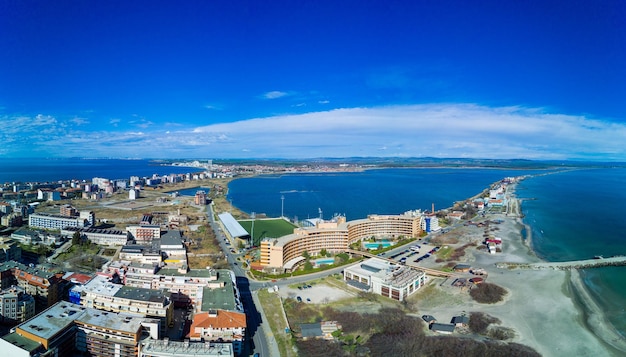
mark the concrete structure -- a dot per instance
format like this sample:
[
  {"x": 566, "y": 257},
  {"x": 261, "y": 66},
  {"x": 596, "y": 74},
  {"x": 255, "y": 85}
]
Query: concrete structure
[
  {"x": 144, "y": 233},
  {"x": 219, "y": 325},
  {"x": 9, "y": 250},
  {"x": 102, "y": 294},
  {"x": 32, "y": 236},
  {"x": 382, "y": 277},
  {"x": 16, "y": 305},
  {"x": 98, "y": 236},
  {"x": 44, "y": 286},
  {"x": 172, "y": 248},
  {"x": 50, "y": 221},
  {"x": 66, "y": 329},
  {"x": 336, "y": 235},
  {"x": 200, "y": 198},
  {"x": 142, "y": 254},
  {"x": 190, "y": 288},
  {"x": 166, "y": 348}
]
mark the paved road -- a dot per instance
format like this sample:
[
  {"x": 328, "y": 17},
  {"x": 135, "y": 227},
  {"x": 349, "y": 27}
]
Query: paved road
[{"x": 256, "y": 329}]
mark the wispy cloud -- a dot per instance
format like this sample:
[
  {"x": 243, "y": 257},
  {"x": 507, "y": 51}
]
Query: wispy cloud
[
  {"x": 439, "y": 130},
  {"x": 274, "y": 94},
  {"x": 79, "y": 121}
]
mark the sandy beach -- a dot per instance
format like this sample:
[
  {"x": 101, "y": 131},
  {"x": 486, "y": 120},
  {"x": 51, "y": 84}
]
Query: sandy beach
[{"x": 550, "y": 310}]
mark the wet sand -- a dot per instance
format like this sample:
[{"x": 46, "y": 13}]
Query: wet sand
[{"x": 550, "y": 310}]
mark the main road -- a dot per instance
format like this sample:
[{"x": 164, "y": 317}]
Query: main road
[{"x": 256, "y": 328}]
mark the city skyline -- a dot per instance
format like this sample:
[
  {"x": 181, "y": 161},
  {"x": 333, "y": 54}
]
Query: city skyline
[{"x": 283, "y": 79}]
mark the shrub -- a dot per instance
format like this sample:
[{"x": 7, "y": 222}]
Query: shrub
[
  {"x": 486, "y": 293},
  {"x": 479, "y": 322}
]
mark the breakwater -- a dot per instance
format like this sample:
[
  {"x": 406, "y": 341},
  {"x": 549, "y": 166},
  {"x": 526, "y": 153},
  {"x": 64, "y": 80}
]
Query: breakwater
[{"x": 574, "y": 264}]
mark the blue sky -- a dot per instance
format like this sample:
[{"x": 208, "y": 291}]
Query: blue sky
[{"x": 304, "y": 79}]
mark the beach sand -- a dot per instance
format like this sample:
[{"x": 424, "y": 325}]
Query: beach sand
[{"x": 550, "y": 310}]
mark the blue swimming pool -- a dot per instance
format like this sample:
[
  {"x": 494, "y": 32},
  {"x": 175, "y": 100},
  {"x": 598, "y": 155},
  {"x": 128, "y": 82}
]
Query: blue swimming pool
[
  {"x": 376, "y": 245},
  {"x": 323, "y": 261}
]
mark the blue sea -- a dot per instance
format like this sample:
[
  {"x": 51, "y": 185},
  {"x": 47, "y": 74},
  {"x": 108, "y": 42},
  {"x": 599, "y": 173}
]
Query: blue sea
[
  {"x": 51, "y": 169},
  {"x": 578, "y": 215},
  {"x": 573, "y": 214}
]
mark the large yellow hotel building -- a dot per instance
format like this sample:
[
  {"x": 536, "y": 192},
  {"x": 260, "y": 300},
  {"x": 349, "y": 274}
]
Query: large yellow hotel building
[{"x": 336, "y": 236}]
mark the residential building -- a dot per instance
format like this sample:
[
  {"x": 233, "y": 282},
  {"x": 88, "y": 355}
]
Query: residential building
[
  {"x": 143, "y": 233},
  {"x": 189, "y": 288},
  {"x": 219, "y": 325},
  {"x": 167, "y": 348},
  {"x": 143, "y": 254},
  {"x": 98, "y": 236},
  {"x": 385, "y": 278},
  {"x": 9, "y": 250},
  {"x": 66, "y": 329},
  {"x": 101, "y": 294},
  {"x": 201, "y": 198},
  {"x": 16, "y": 305},
  {"x": 49, "y": 221},
  {"x": 44, "y": 286}
]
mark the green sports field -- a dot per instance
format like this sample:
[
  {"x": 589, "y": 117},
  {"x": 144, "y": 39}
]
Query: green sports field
[{"x": 267, "y": 228}]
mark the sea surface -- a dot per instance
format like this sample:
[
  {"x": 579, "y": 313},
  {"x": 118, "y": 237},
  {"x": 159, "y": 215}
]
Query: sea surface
[
  {"x": 51, "y": 169},
  {"x": 574, "y": 214},
  {"x": 578, "y": 215}
]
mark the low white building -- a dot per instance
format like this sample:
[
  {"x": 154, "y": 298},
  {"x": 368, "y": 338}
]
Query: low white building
[{"x": 385, "y": 278}]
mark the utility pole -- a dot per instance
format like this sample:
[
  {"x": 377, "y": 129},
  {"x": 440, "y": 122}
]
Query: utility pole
[
  {"x": 253, "y": 215},
  {"x": 282, "y": 206}
]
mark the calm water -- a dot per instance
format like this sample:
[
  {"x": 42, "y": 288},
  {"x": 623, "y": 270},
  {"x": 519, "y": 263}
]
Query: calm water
[
  {"x": 573, "y": 214},
  {"x": 357, "y": 194},
  {"x": 577, "y": 215},
  {"x": 46, "y": 170}
]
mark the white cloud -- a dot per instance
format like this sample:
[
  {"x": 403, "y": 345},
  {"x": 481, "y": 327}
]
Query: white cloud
[
  {"x": 439, "y": 130},
  {"x": 274, "y": 94},
  {"x": 323, "y": 101},
  {"x": 79, "y": 121},
  {"x": 445, "y": 130}
]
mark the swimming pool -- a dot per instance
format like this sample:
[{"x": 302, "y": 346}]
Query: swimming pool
[
  {"x": 323, "y": 261},
  {"x": 376, "y": 245}
]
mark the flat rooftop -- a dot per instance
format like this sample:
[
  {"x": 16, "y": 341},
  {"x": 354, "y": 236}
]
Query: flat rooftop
[
  {"x": 141, "y": 294},
  {"x": 220, "y": 298},
  {"x": 52, "y": 320},
  {"x": 111, "y": 320},
  {"x": 187, "y": 349},
  {"x": 21, "y": 342}
]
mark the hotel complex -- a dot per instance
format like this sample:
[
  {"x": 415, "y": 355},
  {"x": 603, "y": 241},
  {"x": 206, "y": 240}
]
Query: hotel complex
[{"x": 336, "y": 236}]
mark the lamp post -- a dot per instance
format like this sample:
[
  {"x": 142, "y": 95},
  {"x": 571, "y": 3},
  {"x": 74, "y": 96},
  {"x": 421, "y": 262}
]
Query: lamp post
[
  {"x": 253, "y": 215},
  {"x": 282, "y": 205}
]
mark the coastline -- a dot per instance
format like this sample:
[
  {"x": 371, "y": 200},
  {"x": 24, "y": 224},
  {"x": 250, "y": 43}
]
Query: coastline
[
  {"x": 559, "y": 300},
  {"x": 551, "y": 311}
]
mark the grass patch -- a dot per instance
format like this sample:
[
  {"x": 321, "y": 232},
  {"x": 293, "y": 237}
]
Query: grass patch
[
  {"x": 445, "y": 252},
  {"x": 267, "y": 228},
  {"x": 272, "y": 307}
]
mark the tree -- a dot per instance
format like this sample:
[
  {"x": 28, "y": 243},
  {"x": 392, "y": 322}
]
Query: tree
[
  {"x": 323, "y": 252},
  {"x": 306, "y": 255},
  {"x": 76, "y": 238}
]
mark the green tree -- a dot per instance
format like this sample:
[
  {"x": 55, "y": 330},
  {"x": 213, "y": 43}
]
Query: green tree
[
  {"x": 306, "y": 255},
  {"x": 323, "y": 252},
  {"x": 76, "y": 238}
]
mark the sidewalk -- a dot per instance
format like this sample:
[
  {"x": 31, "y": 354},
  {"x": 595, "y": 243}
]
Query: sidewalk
[{"x": 265, "y": 329}]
